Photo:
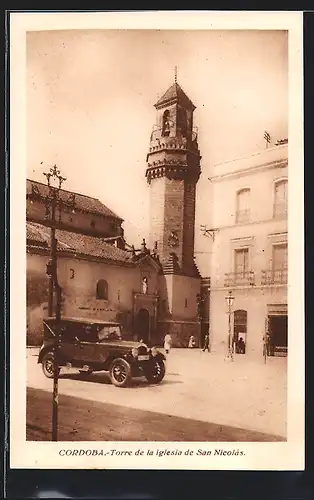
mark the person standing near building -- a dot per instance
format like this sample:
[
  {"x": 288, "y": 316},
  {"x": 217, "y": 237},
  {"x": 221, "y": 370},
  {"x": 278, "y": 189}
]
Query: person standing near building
[
  {"x": 192, "y": 342},
  {"x": 167, "y": 343},
  {"x": 206, "y": 343}
]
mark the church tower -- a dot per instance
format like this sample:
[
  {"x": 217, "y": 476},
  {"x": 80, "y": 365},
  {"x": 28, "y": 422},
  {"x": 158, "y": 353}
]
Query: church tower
[{"x": 173, "y": 169}]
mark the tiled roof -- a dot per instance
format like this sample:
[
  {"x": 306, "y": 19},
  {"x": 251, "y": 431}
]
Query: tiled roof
[
  {"x": 81, "y": 201},
  {"x": 174, "y": 93},
  {"x": 38, "y": 235}
]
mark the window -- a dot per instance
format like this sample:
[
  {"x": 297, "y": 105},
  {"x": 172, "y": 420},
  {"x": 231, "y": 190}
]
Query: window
[
  {"x": 102, "y": 290},
  {"x": 110, "y": 333},
  {"x": 281, "y": 198},
  {"x": 241, "y": 261},
  {"x": 166, "y": 123},
  {"x": 243, "y": 206},
  {"x": 280, "y": 256}
]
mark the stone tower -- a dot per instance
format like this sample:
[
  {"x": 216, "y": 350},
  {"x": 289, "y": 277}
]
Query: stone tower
[{"x": 173, "y": 169}]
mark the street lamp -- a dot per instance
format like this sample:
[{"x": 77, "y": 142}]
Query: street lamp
[
  {"x": 53, "y": 204},
  {"x": 229, "y": 300}
]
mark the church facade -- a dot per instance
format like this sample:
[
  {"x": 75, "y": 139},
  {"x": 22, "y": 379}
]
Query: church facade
[{"x": 150, "y": 291}]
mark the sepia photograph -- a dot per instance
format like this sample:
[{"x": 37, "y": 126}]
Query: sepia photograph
[{"x": 156, "y": 238}]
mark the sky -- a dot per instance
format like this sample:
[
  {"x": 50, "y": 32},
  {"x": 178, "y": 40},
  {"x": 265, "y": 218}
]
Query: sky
[{"x": 91, "y": 96}]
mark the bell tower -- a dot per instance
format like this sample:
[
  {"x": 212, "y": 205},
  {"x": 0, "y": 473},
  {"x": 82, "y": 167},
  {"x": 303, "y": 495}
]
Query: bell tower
[{"x": 173, "y": 169}]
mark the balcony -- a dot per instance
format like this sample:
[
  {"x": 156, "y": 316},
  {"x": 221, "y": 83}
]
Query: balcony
[
  {"x": 275, "y": 277},
  {"x": 242, "y": 216},
  {"x": 246, "y": 278}
]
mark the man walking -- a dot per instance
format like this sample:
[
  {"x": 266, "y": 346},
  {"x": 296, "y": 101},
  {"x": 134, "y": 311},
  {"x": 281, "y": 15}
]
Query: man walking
[{"x": 206, "y": 343}]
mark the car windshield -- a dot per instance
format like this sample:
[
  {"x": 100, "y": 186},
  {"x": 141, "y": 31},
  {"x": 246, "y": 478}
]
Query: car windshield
[{"x": 110, "y": 333}]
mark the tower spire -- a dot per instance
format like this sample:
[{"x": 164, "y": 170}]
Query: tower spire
[{"x": 175, "y": 74}]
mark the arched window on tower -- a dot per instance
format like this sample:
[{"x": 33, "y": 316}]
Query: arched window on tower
[
  {"x": 166, "y": 123},
  {"x": 102, "y": 290}
]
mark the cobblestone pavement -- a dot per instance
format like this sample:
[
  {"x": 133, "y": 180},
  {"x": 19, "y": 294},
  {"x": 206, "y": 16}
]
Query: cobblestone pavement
[{"x": 247, "y": 393}]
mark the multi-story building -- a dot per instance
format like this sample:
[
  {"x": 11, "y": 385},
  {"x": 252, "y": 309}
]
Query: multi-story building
[{"x": 249, "y": 254}]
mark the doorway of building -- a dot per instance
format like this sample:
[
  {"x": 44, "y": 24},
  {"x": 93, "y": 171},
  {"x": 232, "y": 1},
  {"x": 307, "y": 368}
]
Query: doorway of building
[
  {"x": 240, "y": 331},
  {"x": 142, "y": 325},
  {"x": 278, "y": 332}
]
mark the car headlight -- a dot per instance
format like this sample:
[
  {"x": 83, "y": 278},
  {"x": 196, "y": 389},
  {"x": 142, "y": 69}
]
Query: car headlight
[
  {"x": 134, "y": 352},
  {"x": 154, "y": 351}
]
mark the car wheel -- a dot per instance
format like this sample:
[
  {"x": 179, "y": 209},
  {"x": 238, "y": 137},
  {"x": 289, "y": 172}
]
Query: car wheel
[
  {"x": 120, "y": 372},
  {"x": 156, "y": 371},
  {"x": 48, "y": 365}
]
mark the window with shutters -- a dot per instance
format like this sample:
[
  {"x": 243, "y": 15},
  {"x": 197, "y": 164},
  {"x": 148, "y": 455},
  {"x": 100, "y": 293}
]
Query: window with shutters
[
  {"x": 243, "y": 206},
  {"x": 241, "y": 261},
  {"x": 281, "y": 198}
]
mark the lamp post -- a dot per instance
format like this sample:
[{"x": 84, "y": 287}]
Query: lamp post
[
  {"x": 53, "y": 204},
  {"x": 229, "y": 300}
]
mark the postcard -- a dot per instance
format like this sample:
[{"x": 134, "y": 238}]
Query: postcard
[{"x": 156, "y": 212}]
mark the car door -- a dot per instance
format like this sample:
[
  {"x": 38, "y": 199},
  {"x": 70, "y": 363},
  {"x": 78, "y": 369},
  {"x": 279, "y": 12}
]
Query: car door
[
  {"x": 102, "y": 349},
  {"x": 68, "y": 343},
  {"x": 84, "y": 348}
]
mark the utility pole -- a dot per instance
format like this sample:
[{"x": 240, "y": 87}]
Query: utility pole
[
  {"x": 229, "y": 300},
  {"x": 53, "y": 202}
]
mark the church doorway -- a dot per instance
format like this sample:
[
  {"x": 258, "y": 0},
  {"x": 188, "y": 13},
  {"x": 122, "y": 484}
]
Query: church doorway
[{"x": 142, "y": 325}]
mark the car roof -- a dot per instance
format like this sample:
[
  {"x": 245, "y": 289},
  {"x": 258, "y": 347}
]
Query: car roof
[{"x": 88, "y": 321}]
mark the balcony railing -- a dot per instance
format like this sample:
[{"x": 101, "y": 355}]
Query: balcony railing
[
  {"x": 275, "y": 277},
  {"x": 240, "y": 279},
  {"x": 242, "y": 216}
]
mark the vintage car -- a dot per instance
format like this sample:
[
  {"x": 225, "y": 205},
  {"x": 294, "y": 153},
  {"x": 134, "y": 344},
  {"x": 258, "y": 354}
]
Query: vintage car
[{"x": 93, "y": 345}]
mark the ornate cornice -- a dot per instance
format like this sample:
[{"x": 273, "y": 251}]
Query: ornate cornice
[{"x": 172, "y": 169}]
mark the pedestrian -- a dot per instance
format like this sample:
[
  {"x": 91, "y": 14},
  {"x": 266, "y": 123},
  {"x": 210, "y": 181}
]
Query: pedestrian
[
  {"x": 241, "y": 346},
  {"x": 192, "y": 342},
  {"x": 167, "y": 343},
  {"x": 206, "y": 343}
]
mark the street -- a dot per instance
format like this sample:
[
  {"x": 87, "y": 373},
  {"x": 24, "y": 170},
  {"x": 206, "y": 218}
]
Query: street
[
  {"x": 201, "y": 398},
  {"x": 81, "y": 420}
]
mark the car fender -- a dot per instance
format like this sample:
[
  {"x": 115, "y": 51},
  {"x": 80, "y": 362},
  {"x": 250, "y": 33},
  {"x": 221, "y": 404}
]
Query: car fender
[
  {"x": 161, "y": 356},
  {"x": 43, "y": 351}
]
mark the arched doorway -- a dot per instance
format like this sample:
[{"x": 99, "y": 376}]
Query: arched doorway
[
  {"x": 240, "y": 331},
  {"x": 142, "y": 325}
]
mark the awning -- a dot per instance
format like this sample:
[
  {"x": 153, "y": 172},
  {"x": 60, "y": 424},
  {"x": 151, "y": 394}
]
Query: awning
[{"x": 277, "y": 309}]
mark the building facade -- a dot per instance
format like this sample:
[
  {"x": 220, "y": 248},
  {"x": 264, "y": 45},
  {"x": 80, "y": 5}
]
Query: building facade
[
  {"x": 249, "y": 250},
  {"x": 151, "y": 292},
  {"x": 99, "y": 274}
]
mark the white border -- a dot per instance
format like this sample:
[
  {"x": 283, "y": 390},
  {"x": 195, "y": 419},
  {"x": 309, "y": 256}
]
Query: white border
[{"x": 258, "y": 456}]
